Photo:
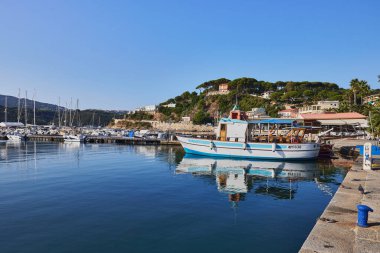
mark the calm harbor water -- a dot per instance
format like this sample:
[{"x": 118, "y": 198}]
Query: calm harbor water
[{"x": 58, "y": 197}]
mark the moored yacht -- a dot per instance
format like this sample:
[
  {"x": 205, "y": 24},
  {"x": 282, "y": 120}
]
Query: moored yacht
[
  {"x": 260, "y": 139},
  {"x": 16, "y": 137},
  {"x": 74, "y": 138}
]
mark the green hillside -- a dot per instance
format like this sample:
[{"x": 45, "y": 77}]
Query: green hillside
[{"x": 203, "y": 108}]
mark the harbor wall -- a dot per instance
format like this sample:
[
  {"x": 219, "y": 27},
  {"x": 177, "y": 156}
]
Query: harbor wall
[{"x": 336, "y": 230}]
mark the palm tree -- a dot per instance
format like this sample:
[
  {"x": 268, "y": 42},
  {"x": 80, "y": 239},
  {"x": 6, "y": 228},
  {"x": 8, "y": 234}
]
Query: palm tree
[
  {"x": 355, "y": 87},
  {"x": 364, "y": 89}
]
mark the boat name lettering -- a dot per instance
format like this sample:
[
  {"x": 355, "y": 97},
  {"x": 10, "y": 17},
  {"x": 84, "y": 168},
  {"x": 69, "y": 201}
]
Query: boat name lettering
[{"x": 294, "y": 147}]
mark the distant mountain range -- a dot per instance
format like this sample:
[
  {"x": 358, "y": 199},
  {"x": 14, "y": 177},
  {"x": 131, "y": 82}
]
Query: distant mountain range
[
  {"x": 48, "y": 113},
  {"x": 13, "y": 102}
]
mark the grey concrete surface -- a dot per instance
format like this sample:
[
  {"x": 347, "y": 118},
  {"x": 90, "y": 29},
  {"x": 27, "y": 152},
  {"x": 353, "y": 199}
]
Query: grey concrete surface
[{"x": 336, "y": 230}]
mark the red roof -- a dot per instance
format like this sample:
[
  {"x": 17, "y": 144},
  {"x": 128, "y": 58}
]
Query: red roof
[{"x": 344, "y": 115}]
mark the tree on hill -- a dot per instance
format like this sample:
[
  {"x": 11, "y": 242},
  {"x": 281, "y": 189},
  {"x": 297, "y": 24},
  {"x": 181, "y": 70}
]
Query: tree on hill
[{"x": 213, "y": 84}]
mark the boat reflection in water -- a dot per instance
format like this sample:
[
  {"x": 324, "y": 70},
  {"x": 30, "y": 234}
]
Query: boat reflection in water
[{"x": 277, "y": 179}]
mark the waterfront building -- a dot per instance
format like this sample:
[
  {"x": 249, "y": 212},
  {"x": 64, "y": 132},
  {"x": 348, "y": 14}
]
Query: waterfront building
[{"x": 335, "y": 119}]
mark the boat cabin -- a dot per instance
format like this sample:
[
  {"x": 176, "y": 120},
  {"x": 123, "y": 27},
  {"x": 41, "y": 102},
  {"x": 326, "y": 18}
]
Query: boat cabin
[{"x": 261, "y": 130}]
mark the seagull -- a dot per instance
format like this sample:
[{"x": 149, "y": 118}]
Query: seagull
[{"x": 361, "y": 189}]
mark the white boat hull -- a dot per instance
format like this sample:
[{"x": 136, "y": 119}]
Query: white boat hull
[
  {"x": 74, "y": 138},
  {"x": 291, "y": 151},
  {"x": 13, "y": 137}
]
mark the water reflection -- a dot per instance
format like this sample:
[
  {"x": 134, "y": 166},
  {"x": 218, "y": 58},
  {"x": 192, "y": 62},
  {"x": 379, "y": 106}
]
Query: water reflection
[{"x": 276, "y": 179}]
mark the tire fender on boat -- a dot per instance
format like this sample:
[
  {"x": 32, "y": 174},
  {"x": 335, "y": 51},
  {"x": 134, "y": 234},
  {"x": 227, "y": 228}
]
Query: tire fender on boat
[
  {"x": 211, "y": 144},
  {"x": 273, "y": 147}
]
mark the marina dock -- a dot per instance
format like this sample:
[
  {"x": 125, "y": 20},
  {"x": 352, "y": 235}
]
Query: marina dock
[
  {"x": 336, "y": 229},
  {"x": 106, "y": 139}
]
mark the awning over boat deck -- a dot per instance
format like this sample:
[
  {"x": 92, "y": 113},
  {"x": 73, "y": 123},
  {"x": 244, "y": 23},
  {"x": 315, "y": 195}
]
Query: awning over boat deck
[
  {"x": 342, "y": 122},
  {"x": 272, "y": 121}
]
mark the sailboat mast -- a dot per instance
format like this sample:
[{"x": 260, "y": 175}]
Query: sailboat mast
[
  {"x": 6, "y": 109},
  {"x": 26, "y": 110},
  {"x": 18, "y": 107},
  {"x": 34, "y": 108},
  {"x": 65, "y": 120},
  {"x": 78, "y": 122},
  {"x": 59, "y": 112},
  {"x": 71, "y": 106}
]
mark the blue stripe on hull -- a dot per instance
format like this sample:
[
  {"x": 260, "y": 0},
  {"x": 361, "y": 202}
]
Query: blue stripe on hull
[{"x": 190, "y": 151}]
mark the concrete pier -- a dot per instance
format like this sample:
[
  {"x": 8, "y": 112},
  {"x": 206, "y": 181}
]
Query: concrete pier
[{"x": 336, "y": 230}]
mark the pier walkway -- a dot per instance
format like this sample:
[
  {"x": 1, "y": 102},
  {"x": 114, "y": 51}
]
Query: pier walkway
[{"x": 336, "y": 230}]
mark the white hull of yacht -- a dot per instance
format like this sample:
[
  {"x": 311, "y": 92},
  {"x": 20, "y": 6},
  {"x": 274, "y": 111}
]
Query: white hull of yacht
[
  {"x": 14, "y": 137},
  {"x": 284, "y": 151},
  {"x": 74, "y": 139}
]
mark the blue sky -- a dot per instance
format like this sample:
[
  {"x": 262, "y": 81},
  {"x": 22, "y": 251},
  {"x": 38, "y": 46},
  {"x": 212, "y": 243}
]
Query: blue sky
[{"x": 124, "y": 54}]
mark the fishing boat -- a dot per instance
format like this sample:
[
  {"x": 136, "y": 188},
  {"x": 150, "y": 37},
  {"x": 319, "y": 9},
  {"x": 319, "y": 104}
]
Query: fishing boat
[
  {"x": 269, "y": 138},
  {"x": 74, "y": 138}
]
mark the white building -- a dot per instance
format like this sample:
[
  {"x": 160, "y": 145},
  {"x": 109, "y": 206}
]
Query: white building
[
  {"x": 171, "y": 105},
  {"x": 147, "y": 108},
  {"x": 320, "y": 107},
  {"x": 257, "y": 113},
  {"x": 186, "y": 119},
  {"x": 267, "y": 94}
]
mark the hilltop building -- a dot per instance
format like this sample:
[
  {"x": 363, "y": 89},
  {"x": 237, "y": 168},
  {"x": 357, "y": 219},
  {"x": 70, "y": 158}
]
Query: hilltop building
[
  {"x": 171, "y": 105},
  {"x": 223, "y": 90},
  {"x": 147, "y": 108},
  {"x": 265, "y": 95}
]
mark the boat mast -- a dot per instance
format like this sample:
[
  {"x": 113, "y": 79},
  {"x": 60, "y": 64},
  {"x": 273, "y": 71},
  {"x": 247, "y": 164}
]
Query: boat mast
[
  {"x": 71, "y": 106},
  {"x": 18, "y": 107},
  {"x": 65, "y": 120},
  {"x": 26, "y": 110},
  {"x": 78, "y": 122},
  {"x": 34, "y": 108},
  {"x": 6, "y": 109},
  {"x": 59, "y": 112}
]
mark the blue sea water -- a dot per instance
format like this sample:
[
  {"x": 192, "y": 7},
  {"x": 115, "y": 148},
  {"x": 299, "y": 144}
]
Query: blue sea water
[{"x": 57, "y": 197}]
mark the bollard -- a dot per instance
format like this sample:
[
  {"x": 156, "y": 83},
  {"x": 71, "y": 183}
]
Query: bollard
[{"x": 363, "y": 215}]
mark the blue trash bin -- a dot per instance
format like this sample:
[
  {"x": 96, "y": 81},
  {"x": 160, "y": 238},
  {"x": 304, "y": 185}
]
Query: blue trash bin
[{"x": 363, "y": 215}]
